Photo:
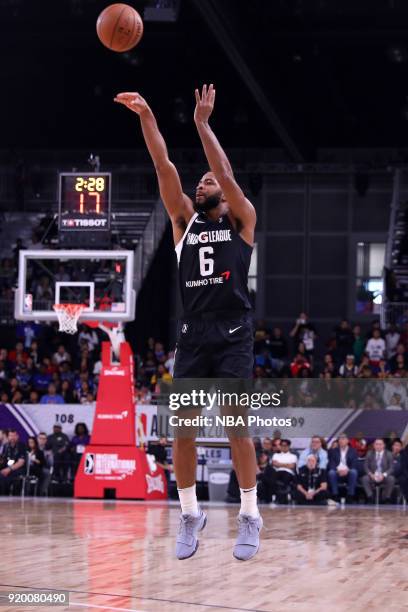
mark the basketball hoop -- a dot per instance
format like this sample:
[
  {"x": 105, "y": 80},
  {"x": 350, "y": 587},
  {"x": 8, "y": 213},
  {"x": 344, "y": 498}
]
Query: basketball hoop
[{"x": 68, "y": 315}]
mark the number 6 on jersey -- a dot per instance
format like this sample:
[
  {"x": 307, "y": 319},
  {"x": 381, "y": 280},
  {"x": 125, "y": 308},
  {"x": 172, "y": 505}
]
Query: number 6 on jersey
[{"x": 206, "y": 264}]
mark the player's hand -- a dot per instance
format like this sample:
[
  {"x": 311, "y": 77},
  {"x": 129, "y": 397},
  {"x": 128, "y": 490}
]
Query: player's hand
[
  {"x": 133, "y": 101},
  {"x": 204, "y": 103}
]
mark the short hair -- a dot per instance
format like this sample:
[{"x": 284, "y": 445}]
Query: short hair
[{"x": 286, "y": 441}]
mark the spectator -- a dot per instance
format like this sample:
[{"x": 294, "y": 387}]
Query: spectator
[
  {"x": 257, "y": 444},
  {"x": 348, "y": 369},
  {"x": 315, "y": 449},
  {"x": 267, "y": 447},
  {"x": 360, "y": 444},
  {"x": 266, "y": 478},
  {"x": 343, "y": 468},
  {"x": 402, "y": 362},
  {"x": 80, "y": 440},
  {"x": 375, "y": 348},
  {"x": 65, "y": 372},
  {"x": 400, "y": 366},
  {"x": 328, "y": 364},
  {"x": 12, "y": 463},
  {"x": 62, "y": 276},
  {"x": 392, "y": 339},
  {"x": 18, "y": 350},
  {"x": 43, "y": 291},
  {"x": 304, "y": 331},
  {"x": 36, "y": 459},
  {"x": 344, "y": 340},
  {"x": 383, "y": 370},
  {"x": 378, "y": 469},
  {"x": 89, "y": 337},
  {"x": 262, "y": 336},
  {"x": 358, "y": 343},
  {"x": 42, "y": 379},
  {"x": 27, "y": 332},
  {"x": 3, "y": 439},
  {"x": 285, "y": 467},
  {"x": 311, "y": 483},
  {"x": 264, "y": 494},
  {"x": 52, "y": 397},
  {"x": 159, "y": 353},
  {"x": 395, "y": 387},
  {"x": 34, "y": 353},
  {"x": 169, "y": 363},
  {"x": 58, "y": 443},
  {"x": 397, "y": 461},
  {"x": 16, "y": 250},
  {"x": 275, "y": 348},
  {"x": 276, "y": 445},
  {"x": 67, "y": 392},
  {"x": 299, "y": 363},
  {"x": 83, "y": 392},
  {"x": 61, "y": 355}
]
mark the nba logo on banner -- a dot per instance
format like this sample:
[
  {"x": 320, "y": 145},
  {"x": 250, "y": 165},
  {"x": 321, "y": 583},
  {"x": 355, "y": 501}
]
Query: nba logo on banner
[
  {"x": 89, "y": 463},
  {"x": 184, "y": 328}
]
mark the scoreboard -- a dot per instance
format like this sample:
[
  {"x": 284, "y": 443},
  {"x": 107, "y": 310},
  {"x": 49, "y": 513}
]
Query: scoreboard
[{"x": 84, "y": 206}]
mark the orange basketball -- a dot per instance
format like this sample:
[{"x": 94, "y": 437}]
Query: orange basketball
[{"x": 119, "y": 27}]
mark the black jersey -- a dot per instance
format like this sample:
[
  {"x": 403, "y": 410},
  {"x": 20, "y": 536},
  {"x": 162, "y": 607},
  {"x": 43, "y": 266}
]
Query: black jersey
[{"x": 213, "y": 262}]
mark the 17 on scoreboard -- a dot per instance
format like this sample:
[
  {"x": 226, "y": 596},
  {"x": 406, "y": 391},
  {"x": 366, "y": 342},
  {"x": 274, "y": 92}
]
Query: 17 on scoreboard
[{"x": 84, "y": 201}]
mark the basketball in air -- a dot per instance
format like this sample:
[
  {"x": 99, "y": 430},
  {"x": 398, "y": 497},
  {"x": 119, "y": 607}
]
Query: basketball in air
[{"x": 119, "y": 27}]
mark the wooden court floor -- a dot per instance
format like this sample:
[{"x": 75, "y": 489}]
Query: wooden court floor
[{"x": 119, "y": 556}]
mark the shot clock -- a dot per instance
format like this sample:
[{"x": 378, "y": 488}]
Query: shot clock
[{"x": 84, "y": 206}]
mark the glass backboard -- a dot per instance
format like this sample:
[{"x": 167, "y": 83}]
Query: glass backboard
[{"x": 100, "y": 280}]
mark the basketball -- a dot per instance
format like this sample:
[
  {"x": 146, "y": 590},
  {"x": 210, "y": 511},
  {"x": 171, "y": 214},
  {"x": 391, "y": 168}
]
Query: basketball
[{"x": 119, "y": 27}]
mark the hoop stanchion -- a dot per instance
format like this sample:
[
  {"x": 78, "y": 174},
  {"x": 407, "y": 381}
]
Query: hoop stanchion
[{"x": 68, "y": 315}]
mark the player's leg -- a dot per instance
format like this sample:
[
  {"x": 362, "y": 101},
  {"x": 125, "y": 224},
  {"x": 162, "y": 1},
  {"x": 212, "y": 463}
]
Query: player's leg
[
  {"x": 192, "y": 519},
  {"x": 190, "y": 363},
  {"x": 234, "y": 360}
]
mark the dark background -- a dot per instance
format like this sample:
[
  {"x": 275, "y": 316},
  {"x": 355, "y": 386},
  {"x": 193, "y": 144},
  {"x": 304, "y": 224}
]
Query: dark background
[{"x": 335, "y": 72}]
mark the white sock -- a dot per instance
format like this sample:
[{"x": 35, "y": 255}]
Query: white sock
[
  {"x": 188, "y": 500},
  {"x": 249, "y": 505}
]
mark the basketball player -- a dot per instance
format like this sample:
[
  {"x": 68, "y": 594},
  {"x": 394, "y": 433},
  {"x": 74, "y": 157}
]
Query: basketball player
[{"x": 213, "y": 241}]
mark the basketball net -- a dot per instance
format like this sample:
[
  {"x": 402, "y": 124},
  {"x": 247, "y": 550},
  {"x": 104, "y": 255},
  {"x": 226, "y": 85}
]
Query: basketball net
[{"x": 68, "y": 315}]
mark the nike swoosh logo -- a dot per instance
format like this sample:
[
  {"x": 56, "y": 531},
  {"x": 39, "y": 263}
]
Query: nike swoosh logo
[{"x": 231, "y": 331}]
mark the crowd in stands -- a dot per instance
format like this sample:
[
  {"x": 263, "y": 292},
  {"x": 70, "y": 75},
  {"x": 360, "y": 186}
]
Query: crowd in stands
[
  {"x": 356, "y": 470},
  {"x": 45, "y": 366},
  {"x": 351, "y": 470},
  {"x": 44, "y": 460}
]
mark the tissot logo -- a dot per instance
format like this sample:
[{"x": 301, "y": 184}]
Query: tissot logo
[{"x": 84, "y": 222}]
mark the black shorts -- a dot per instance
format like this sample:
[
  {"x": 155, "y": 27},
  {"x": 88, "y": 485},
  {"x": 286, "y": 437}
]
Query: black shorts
[{"x": 215, "y": 346}]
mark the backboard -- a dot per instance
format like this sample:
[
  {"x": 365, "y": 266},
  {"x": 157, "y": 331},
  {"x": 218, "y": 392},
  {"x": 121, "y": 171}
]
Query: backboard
[{"x": 102, "y": 280}]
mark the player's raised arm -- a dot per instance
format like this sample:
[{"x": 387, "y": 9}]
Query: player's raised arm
[
  {"x": 178, "y": 205},
  {"x": 239, "y": 205}
]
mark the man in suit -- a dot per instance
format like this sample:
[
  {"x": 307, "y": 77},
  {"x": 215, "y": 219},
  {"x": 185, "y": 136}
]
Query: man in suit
[
  {"x": 378, "y": 467},
  {"x": 343, "y": 465}
]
